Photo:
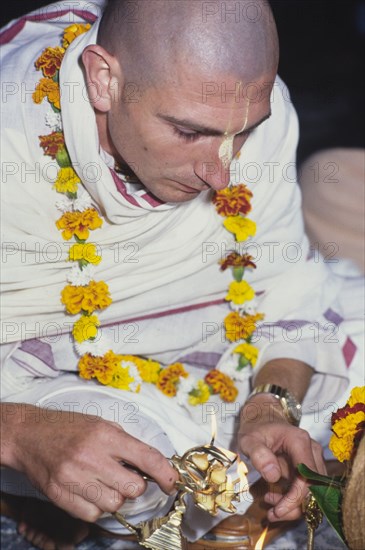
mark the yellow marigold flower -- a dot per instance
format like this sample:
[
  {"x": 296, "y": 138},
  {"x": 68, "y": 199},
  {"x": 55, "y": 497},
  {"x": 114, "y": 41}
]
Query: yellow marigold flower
[
  {"x": 249, "y": 352},
  {"x": 84, "y": 252},
  {"x": 122, "y": 379},
  {"x": 348, "y": 426},
  {"x": 149, "y": 371},
  {"x": 48, "y": 88},
  {"x": 357, "y": 396},
  {"x": 79, "y": 224},
  {"x": 67, "y": 180},
  {"x": 241, "y": 227},
  {"x": 200, "y": 394},
  {"x": 50, "y": 61},
  {"x": 71, "y": 32},
  {"x": 101, "y": 368},
  {"x": 85, "y": 328},
  {"x": 240, "y": 292},
  {"x": 88, "y": 298},
  {"x": 240, "y": 328},
  {"x": 341, "y": 447}
]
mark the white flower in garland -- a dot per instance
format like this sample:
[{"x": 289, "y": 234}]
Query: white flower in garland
[
  {"x": 66, "y": 205},
  {"x": 250, "y": 308},
  {"x": 133, "y": 372},
  {"x": 96, "y": 348},
  {"x": 53, "y": 121},
  {"x": 83, "y": 201},
  {"x": 186, "y": 385},
  {"x": 81, "y": 277}
]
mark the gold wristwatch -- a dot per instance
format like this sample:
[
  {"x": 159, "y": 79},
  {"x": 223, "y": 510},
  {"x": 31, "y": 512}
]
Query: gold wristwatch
[{"x": 291, "y": 406}]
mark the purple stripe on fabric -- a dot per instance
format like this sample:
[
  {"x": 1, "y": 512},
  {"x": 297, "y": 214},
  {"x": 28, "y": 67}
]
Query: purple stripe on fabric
[
  {"x": 288, "y": 325},
  {"x": 201, "y": 359},
  {"x": 40, "y": 350},
  {"x": 349, "y": 349},
  {"x": 8, "y": 34},
  {"x": 28, "y": 368},
  {"x": 333, "y": 317}
]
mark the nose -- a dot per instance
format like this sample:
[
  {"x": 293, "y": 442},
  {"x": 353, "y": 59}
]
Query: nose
[{"x": 213, "y": 171}]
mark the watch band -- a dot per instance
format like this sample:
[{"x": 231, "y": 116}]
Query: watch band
[{"x": 291, "y": 406}]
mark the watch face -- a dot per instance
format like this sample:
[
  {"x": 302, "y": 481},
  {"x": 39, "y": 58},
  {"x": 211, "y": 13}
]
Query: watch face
[{"x": 294, "y": 408}]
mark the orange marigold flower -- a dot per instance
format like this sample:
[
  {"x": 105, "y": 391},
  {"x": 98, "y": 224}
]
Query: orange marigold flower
[
  {"x": 233, "y": 200},
  {"x": 52, "y": 144},
  {"x": 101, "y": 368},
  {"x": 46, "y": 87},
  {"x": 166, "y": 384},
  {"x": 229, "y": 393},
  {"x": 240, "y": 328},
  {"x": 236, "y": 260},
  {"x": 221, "y": 383},
  {"x": 168, "y": 389},
  {"x": 176, "y": 370},
  {"x": 72, "y": 31},
  {"x": 216, "y": 379},
  {"x": 79, "y": 224},
  {"x": 88, "y": 298},
  {"x": 50, "y": 61}
]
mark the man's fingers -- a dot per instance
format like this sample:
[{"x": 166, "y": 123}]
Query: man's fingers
[
  {"x": 149, "y": 460},
  {"x": 263, "y": 459},
  {"x": 288, "y": 504}
]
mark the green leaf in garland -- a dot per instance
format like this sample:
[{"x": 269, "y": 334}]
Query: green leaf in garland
[
  {"x": 63, "y": 159},
  {"x": 242, "y": 363},
  {"x": 309, "y": 474},
  {"x": 238, "y": 273},
  {"x": 329, "y": 498}
]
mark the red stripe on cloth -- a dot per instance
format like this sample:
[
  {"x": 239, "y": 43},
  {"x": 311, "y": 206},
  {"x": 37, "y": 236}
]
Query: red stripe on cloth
[
  {"x": 152, "y": 200},
  {"x": 8, "y": 34},
  {"x": 349, "y": 349},
  {"x": 123, "y": 191},
  {"x": 182, "y": 309}
]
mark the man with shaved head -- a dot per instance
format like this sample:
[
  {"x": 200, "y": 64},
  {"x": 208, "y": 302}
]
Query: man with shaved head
[{"x": 163, "y": 104}]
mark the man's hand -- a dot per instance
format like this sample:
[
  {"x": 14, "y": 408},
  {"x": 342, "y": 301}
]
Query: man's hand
[
  {"x": 275, "y": 448},
  {"x": 75, "y": 459}
]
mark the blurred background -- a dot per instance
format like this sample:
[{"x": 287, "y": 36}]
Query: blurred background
[{"x": 322, "y": 62}]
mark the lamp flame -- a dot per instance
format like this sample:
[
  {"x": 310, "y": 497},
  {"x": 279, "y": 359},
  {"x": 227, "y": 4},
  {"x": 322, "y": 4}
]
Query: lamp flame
[
  {"x": 260, "y": 542},
  {"x": 242, "y": 471},
  {"x": 214, "y": 428}
]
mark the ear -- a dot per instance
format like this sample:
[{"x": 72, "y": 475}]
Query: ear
[{"x": 103, "y": 77}]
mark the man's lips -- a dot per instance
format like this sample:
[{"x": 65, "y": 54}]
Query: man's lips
[{"x": 189, "y": 189}]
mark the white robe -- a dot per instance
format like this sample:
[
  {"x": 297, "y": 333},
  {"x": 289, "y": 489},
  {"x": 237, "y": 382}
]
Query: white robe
[{"x": 159, "y": 260}]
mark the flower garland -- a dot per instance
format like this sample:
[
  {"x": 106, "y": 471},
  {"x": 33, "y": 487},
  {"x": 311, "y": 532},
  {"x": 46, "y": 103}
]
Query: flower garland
[
  {"x": 84, "y": 296},
  {"x": 348, "y": 425}
]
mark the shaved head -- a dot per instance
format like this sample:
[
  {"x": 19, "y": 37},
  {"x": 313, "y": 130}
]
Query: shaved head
[
  {"x": 178, "y": 87},
  {"x": 154, "y": 39}
]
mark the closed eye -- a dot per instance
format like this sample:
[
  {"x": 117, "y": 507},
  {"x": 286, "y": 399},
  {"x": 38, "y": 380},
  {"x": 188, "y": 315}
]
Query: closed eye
[{"x": 191, "y": 135}]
